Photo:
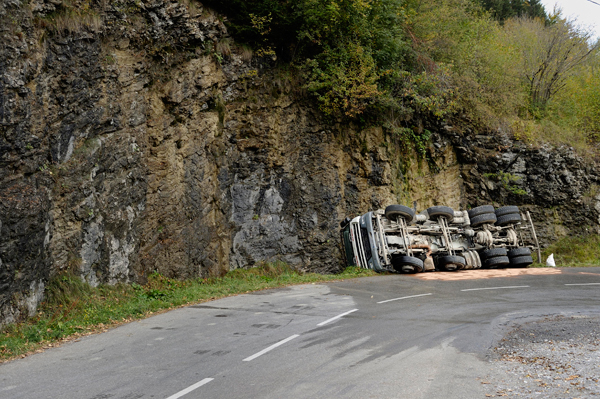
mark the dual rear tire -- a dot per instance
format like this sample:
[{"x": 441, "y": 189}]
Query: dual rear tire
[
  {"x": 507, "y": 215},
  {"x": 520, "y": 257},
  {"x": 486, "y": 214},
  {"x": 499, "y": 257},
  {"x": 494, "y": 258}
]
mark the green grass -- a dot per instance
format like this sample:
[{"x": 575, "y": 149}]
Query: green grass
[
  {"x": 73, "y": 308},
  {"x": 575, "y": 251}
]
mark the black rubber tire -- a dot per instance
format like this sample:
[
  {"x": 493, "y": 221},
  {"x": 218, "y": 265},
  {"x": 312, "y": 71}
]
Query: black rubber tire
[
  {"x": 392, "y": 212},
  {"x": 436, "y": 212},
  {"x": 505, "y": 210},
  {"x": 521, "y": 261},
  {"x": 480, "y": 210},
  {"x": 523, "y": 251},
  {"x": 457, "y": 261},
  {"x": 496, "y": 261},
  {"x": 486, "y": 218},
  {"x": 400, "y": 261},
  {"x": 492, "y": 253},
  {"x": 511, "y": 218}
]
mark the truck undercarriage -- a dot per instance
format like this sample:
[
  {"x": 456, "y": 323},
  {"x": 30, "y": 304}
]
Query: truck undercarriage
[{"x": 440, "y": 238}]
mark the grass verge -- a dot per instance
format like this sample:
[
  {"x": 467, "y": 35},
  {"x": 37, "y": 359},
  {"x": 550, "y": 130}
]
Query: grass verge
[
  {"x": 577, "y": 251},
  {"x": 73, "y": 308}
]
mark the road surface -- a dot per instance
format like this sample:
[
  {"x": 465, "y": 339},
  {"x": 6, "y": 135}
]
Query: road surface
[{"x": 396, "y": 336}]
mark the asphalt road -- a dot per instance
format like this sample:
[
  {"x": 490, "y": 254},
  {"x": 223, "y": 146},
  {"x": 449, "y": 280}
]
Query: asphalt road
[{"x": 400, "y": 336}]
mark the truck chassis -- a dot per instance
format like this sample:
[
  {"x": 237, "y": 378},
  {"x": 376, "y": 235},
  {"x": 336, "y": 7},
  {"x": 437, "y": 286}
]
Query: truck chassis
[{"x": 399, "y": 240}]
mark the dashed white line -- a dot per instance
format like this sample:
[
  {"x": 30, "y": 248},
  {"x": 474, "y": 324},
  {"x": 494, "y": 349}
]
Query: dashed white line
[
  {"x": 336, "y": 317},
  {"x": 190, "y": 388},
  {"x": 270, "y": 348},
  {"x": 585, "y": 284},
  {"x": 496, "y": 288},
  {"x": 404, "y": 297}
]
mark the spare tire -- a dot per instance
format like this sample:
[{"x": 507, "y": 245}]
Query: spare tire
[
  {"x": 505, "y": 210},
  {"x": 511, "y": 218},
  {"x": 436, "y": 212},
  {"x": 407, "y": 264},
  {"x": 450, "y": 262},
  {"x": 519, "y": 252},
  {"x": 521, "y": 261},
  {"x": 493, "y": 252},
  {"x": 486, "y": 218},
  {"x": 496, "y": 261},
  {"x": 392, "y": 212},
  {"x": 480, "y": 210}
]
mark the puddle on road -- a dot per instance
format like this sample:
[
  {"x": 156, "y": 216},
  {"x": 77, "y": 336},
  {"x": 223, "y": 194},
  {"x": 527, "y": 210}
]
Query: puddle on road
[{"x": 484, "y": 274}]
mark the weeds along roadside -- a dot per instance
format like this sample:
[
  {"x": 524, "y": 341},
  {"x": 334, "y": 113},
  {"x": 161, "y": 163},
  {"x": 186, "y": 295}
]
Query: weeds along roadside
[
  {"x": 575, "y": 251},
  {"x": 72, "y": 308}
]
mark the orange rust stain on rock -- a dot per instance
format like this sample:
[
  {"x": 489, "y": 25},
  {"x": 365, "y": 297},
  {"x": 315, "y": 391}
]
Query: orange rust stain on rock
[{"x": 485, "y": 274}]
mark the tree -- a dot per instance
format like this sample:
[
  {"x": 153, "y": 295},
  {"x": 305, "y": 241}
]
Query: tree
[
  {"x": 550, "y": 53},
  {"x": 350, "y": 45},
  {"x": 506, "y": 9}
]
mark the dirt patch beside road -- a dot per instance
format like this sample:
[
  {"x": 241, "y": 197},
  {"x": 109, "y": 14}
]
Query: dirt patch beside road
[{"x": 556, "y": 357}]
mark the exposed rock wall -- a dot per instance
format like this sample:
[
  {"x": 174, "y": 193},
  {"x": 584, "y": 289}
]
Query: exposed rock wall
[
  {"x": 135, "y": 147},
  {"x": 559, "y": 188}
]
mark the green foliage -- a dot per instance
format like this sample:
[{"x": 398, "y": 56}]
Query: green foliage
[
  {"x": 507, "y": 180},
  {"x": 74, "y": 308},
  {"x": 350, "y": 45},
  {"x": 479, "y": 61},
  {"x": 262, "y": 25},
  {"x": 575, "y": 251},
  {"x": 411, "y": 138},
  {"x": 427, "y": 93},
  {"x": 343, "y": 47},
  {"x": 344, "y": 80},
  {"x": 551, "y": 55},
  {"x": 576, "y": 109},
  {"x": 505, "y": 9}
]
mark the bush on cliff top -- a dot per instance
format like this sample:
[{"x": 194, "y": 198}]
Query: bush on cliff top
[{"x": 435, "y": 59}]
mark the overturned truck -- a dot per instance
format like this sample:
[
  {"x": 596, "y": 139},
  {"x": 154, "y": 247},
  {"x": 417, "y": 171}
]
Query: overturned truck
[{"x": 440, "y": 238}]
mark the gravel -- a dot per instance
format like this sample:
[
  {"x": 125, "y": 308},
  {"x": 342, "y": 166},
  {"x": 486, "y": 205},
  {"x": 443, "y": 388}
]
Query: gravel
[{"x": 555, "y": 357}]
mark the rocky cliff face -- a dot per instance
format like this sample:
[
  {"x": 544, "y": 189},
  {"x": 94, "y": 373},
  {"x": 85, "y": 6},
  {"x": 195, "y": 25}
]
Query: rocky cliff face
[{"x": 149, "y": 142}]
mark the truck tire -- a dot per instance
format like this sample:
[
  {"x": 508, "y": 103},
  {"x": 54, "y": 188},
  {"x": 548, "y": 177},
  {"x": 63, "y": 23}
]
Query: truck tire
[
  {"x": 407, "y": 264},
  {"x": 505, "y": 210},
  {"x": 451, "y": 263},
  {"x": 511, "y": 218},
  {"x": 493, "y": 252},
  {"x": 496, "y": 262},
  {"x": 523, "y": 251},
  {"x": 436, "y": 212},
  {"x": 392, "y": 212},
  {"x": 521, "y": 261},
  {"x": 486, "y": 218},
  {"x": 480, "y": 210}
]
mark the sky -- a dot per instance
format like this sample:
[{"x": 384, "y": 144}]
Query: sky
[{"x": 586, "y": 12}]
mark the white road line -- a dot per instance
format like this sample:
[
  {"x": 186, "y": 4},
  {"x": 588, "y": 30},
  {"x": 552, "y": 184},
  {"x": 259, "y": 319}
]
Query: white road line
[
  {"x": 336, "y": 317},
  {"x": 404, "y": 297},
  {"x": 270, "y": 348},
  {"x": 585, "y": 284},
  {"x": 496, "y": 288},
  {"x": 190, "y": 388}
]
